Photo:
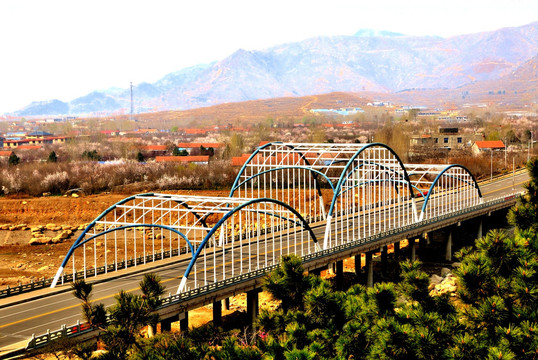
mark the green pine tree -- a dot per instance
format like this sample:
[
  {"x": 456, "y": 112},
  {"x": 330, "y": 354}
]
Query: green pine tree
[
  {"x": 287, "y": 283},
  {"x": 524, "y": 215},
  {"x": 13, "y": 160},
  {"x": 132, "y": 312},
  {"x": 140, "y": 157},
  {"x": 53, "y": 158}
]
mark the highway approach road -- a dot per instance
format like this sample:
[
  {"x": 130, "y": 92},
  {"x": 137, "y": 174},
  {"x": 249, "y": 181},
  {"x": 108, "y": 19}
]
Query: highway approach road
[{"x": 36, "y": 312}]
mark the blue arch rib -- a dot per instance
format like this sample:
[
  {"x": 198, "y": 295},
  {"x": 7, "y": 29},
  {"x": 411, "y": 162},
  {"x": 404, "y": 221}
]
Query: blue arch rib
[
  {"x": 344, "y": 175},
  {"x": 90, "y": 225},
  {"x": 289, "y": 167},
  {"x": 441, "y": 174},
  {"x": 202, "y": 245},
  {"x": 235, "y": 184}
]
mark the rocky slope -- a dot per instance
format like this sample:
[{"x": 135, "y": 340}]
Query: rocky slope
[{"x": 379, "y": 62}]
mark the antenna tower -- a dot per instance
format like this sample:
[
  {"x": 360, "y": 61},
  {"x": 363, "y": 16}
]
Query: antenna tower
[{"x": 132, "y": 108}]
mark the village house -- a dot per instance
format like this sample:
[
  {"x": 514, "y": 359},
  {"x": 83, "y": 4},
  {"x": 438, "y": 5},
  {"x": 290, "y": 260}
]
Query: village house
[
  {"x": 39, "y": 135},
  {"x": 194, "y": 148},
  {"x": 486, "y": 146},
  {"x": 4, "y": 156},
  {"x": 151, "y": 151},
  {"x": 421, "y": 140},
  {"x": 29, "y": 147},
  {"x": 200, "y": 160},
  {"x": 448, "y": 138},
  {"x": 38, "y": 138},
  {"x": 146, "y": 131},
  {"x": 240, "y": 160}
]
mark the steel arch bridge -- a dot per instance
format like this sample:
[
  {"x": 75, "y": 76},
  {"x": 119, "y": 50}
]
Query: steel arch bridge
[{"x": 282, "y": 193}]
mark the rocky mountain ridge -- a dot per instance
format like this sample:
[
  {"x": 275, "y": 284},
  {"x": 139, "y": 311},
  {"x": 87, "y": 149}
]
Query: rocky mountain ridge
[{"x": 365, "y": 62}]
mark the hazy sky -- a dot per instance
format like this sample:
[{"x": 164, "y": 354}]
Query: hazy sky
[{"x": 65, "y": 49}]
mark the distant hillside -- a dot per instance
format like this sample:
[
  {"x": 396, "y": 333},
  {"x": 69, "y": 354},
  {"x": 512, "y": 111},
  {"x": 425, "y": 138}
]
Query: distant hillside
[
  {"x": 45, "y": 108},
  {"x": 368, "y": 61},
  {"x": 520, "y": 86},
  {"x": 253, "y": 111}
]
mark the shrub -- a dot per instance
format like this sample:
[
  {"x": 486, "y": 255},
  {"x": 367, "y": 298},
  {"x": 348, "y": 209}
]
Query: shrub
[
  {"x": 14, "y": 159},
  {"x": 55, "y": 183}
]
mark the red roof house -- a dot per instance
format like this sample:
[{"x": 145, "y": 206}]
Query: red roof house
[
  {"x": 202, "y": 159},
  {"x": 487, "y": 145}
]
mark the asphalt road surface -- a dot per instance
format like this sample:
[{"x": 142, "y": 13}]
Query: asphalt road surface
[{"x": 35, "y": 315}]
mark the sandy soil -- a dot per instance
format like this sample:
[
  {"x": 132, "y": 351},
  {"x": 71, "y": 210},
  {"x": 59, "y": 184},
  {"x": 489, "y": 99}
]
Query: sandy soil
[{"x": 22, "y": 262}]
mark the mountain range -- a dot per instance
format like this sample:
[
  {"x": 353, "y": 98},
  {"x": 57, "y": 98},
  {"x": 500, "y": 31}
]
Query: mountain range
[{"x": 368, "y": 61}]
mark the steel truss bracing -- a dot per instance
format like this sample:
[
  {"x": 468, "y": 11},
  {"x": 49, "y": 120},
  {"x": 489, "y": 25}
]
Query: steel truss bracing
[
  {"x": 364, "y": 183},
  {"x": 223, "y": 237},
  {"x": 442, "y": 189},
  {"x": 348, "y": 191}
]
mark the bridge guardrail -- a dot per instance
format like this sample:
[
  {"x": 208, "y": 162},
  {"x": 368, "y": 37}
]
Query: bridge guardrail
[
  {"x": 82, "y": 328},
  {"x": 46, "y": 282}
]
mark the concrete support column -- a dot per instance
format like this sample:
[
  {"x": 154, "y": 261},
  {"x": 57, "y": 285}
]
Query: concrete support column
[
  {"x": 448, "y": 250},
  {"x": 369, "y": 269},
  {"x": 227, "y": 303},
  {"x": 412, "y": 250},
  {"x": 480, "y": 228},
  {"x": 340, "y": 274},
  {"x": 422, "y": 248},
  {"x": 166, "y": 324},
  {"x": 184, "y": 323},
  {"x": 217, "y": 313},
  {"x": 332, "y": 268},
  {"x": 252, "y": 306},
  {"x": 358, "y": 264},
  {"x": 384, "y": 259},
  {"x": 397, "y": 251}
]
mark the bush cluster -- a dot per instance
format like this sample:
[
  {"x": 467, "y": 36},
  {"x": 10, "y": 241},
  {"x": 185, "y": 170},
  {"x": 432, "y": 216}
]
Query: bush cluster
[{"x": 92, "y": 177}]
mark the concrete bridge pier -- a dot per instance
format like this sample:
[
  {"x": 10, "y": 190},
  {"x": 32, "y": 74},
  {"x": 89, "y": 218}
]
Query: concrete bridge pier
[
  {"x": 184, "y": 322},
  {"x": 369, "y": 269},
  {"x": 358, "y": 264},
  {"x": 333, "y": 268},
  {"x": 166, "y": 324},
  {"x": 384, "y": 259},
  {"x": 397, "y": 250},
  {"x": 422, "y": 243},
  {"x": 448, "y": 248},
  {"x": 227, "y": 303},
  {"x": 480, "y": 225},
  {"x": 340, "y": 274},
  {"x": 217, "y": 313},
  {"x": 252, "y": 307},
  {"x": 412, "y": 249}
]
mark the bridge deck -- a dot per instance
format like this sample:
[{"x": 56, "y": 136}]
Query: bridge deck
[{"x": 36, "y": 312}]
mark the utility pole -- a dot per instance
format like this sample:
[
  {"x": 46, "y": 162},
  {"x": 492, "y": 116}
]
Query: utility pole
[
  {"x": 491, "y": 163},
  {"x": 513, "y": 172},
  {"x": 530, "y": 145},
  {"x": 505, "y": 151},
  {"x": 132, "y": 108}
]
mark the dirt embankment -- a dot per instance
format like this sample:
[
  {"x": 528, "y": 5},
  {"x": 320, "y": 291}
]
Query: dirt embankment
[
  {"x": 56, "y": 221},
  {"x": 59, "y": 210}
]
